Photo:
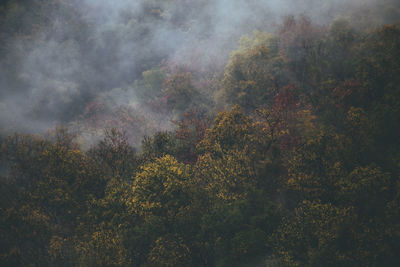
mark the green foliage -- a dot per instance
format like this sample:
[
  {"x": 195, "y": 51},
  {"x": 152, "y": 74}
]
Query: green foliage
[
  {"x": 161, "y": 144},
  {"x": 169, "y": 251},
  {"x": 317, "y": 234},
  {"x": 161, "y": 187},
  {"x": 231, "y": 130},
  {"x": 255, "y": 73},
  {"x": 115, "y": 155},
  {"x": 151, "y": 84},
  {"x": 230, "y": 177},
  {"x": 52, "y": 183},
  {"x": 301, "y": 171},
  {"x": 180, "y": 92}
]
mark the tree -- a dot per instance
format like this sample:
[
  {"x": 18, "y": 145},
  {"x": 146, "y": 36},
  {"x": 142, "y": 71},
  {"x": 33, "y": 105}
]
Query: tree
[
  {"x": 52, "y": 181},
  {"x": 159, "y": 145},
  {"x": 317, "y": 234},
  {"x": 151, "y": 84},
  {"x": 190, "y": 131},
  {"x": 179, "y": 91},
  {"x": 114, "y": 155},
  {"x": 231, "y": 130},
  {"x": 229, "y": 177},
  {"x": 161, "y": 187},
  {"x": 254, "y": 74},
  {"x": 169, "y": 251},
  {"x": 298, "y": 41},
  {"x": 163, "y": 197}
]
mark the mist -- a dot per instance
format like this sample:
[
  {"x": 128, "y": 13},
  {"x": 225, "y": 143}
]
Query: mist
[{"x": 86, "y": 55}]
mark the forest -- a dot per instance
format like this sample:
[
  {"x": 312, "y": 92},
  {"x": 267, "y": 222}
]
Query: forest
[{"x": 199, "y": 133}]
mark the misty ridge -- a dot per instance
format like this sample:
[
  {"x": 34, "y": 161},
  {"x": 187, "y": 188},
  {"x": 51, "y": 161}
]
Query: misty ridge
[
  {"x": 199, "y": 133},
  {"x": 63, "y": 62}
]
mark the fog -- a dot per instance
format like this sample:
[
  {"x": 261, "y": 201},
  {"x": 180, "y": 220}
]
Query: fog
[{"x": 69, "y": 54}]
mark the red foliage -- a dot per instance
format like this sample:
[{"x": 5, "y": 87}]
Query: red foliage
[
  {"x": 191, "y": 130},
  {"x": 285, "y": 99}
]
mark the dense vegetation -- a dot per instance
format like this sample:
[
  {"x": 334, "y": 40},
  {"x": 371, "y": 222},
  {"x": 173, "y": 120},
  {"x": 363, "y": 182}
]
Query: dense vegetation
[{"x": 289, "y": 156}]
